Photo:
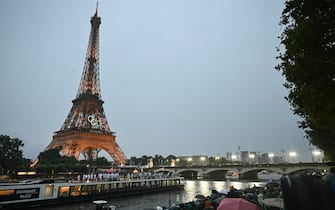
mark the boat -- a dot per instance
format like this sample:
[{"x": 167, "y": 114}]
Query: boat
[
  {"x": 232, "y": 175},
  {"x": 102, "y": 205},
  {"x": 268, "y": 175},
  {"x": 52, "y": 192}
]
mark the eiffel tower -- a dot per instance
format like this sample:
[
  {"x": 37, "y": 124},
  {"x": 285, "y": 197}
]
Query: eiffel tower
[{"x": 86, "y": 129}]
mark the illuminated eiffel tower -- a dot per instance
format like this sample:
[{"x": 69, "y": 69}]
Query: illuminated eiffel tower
[{"x": 86, "y": 129}]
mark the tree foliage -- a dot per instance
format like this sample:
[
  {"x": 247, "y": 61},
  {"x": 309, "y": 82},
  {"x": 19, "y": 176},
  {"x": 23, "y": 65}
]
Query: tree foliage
[
  {"x": 308, "y": 64},
  {"x": 101, "y": 162},
  {"x": 11, "y": 154},
  {"x": 52, "y": 161}
]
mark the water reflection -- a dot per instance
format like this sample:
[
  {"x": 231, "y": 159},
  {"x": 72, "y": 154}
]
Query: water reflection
[{"x": 148, "y": 201}]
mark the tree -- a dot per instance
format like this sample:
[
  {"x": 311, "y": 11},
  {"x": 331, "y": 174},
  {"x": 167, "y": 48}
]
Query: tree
[
  {"x": 102, "y": 162},
  {"x": 51, "y": 160},
  {"x": 51, "y": 156},
  {"x": 308, "y": 64},
  {"x": 11, "y": 154}
]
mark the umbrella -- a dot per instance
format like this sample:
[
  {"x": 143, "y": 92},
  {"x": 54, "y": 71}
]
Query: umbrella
[{"x": 236, "y": 204}]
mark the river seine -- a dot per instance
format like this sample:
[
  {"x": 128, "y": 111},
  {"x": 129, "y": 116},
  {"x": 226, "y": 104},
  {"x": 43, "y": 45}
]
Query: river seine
[{"x": 150, "y": 201}]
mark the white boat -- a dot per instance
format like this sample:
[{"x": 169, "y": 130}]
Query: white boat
[
  {"x": 50, "y": 192},
  {"x": 232, "y": 175},
  {"x": 102, "y": 205},
  {"x": 268, "y": 175}
]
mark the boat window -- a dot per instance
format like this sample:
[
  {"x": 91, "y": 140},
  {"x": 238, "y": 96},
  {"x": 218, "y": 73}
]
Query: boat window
[
  {"x": 6, "y": 195},
  {"x": 49, "y": 189},
  {"x": 163, "y": 183},
  {"x": 114, "y": 186},
  {"x": 92, "y": 188},
  {"x": 64, "y": 191},
  {"x": 146, "y": 185},
  {"x": 105, "y": 187},
  {"x": 98, "y": 188},
  {"x": 75, "y": 190},
  {"x": 136, "y": 184},
  {"x": 6, "y": 192},
  {"x": 123, "y": 185},
  {"x": 84, "y": 190}
]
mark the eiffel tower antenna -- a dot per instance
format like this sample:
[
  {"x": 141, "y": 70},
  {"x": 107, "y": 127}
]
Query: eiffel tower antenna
[
  {"x": 86, "y": 128},
  {"x": 96, "y": 10}
]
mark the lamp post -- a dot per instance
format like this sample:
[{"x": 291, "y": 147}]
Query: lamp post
[
  {"x": 317, "y": 154},
  {"x": 217, "y": 160},
  {"x": 189, "y": 161},
  {"x": 202, "y": 160},
  {"x": 292, "y": 155},
  {"x": 271, "y": 155},
  {"x": 251, "y": 158},
  {"x": 178, "y": 162},
  {"x": 233, "y": 158}
]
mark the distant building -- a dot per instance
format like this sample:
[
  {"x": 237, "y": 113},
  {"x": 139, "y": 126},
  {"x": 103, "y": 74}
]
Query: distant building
[
  {"x": 196, "y": 160},
  {"x": 253, "y": 157},
  {"x": 244, "y": 156},
  {"x": 265, "y": 158},
  {"x": 277, "y": 159},
  {"x": 229, "y": 156}
]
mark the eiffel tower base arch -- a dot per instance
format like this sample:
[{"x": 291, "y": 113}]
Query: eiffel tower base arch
[{"x": 76, "y": 142}]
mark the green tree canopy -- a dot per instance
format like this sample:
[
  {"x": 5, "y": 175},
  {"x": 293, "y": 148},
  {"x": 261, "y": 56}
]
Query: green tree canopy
[
  {"x": 52, "y": 160},
  {"x": 102, "y": 162},
  {"x": 11, "y": 154},
  {"x": 51, "y": 156},
  {"x": 308, "y": 64}
]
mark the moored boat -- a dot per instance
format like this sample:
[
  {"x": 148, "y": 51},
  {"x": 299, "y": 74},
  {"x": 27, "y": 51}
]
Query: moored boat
[
  {"x": 232, "y": 175},
  {"x": 37, "y": 193},
  {"x": 268, "y": 175},
  {"x": 102, "y": 205}
]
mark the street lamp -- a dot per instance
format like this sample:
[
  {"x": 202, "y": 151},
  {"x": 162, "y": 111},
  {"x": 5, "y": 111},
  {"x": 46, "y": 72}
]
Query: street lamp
[
  {"x": 317, "y": 154},
  {"x": 202, "y": 160},
  {"x": 271, "y": 155},
  {"x": 292, "y": 155},
  {"x": 178, "y": 162},
  {"x": 189, "y": 160},
  {"x": 233, "y": 157},
  {"x": 251, "y": 157},
  {"x": 217, "y": 159}
]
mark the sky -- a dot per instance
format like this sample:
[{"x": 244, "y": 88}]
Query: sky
[{"x": 181, "y": 77}]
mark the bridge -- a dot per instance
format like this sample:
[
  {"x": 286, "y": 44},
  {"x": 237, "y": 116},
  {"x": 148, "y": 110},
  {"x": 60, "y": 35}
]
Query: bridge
[{"x": 243, "y": 171}]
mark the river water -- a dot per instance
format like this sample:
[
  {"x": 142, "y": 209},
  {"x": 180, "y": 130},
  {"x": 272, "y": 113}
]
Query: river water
[{"x": 150, "y": 201}]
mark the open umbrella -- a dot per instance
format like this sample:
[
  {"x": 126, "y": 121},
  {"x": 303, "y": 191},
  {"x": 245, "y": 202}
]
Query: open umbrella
[{"x": 236, "y": 204}]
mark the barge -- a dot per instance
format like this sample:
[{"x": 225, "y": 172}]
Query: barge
[{"x": 50, "y": 192}]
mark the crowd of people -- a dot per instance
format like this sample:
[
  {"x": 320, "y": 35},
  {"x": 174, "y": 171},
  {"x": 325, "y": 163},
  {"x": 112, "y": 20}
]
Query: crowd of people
[
  {"x": 300, "y": 191},
  {"x": 121, "y": 176}
]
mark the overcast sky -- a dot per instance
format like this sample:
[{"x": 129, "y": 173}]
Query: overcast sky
[{"x": 181, "y": 77}]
